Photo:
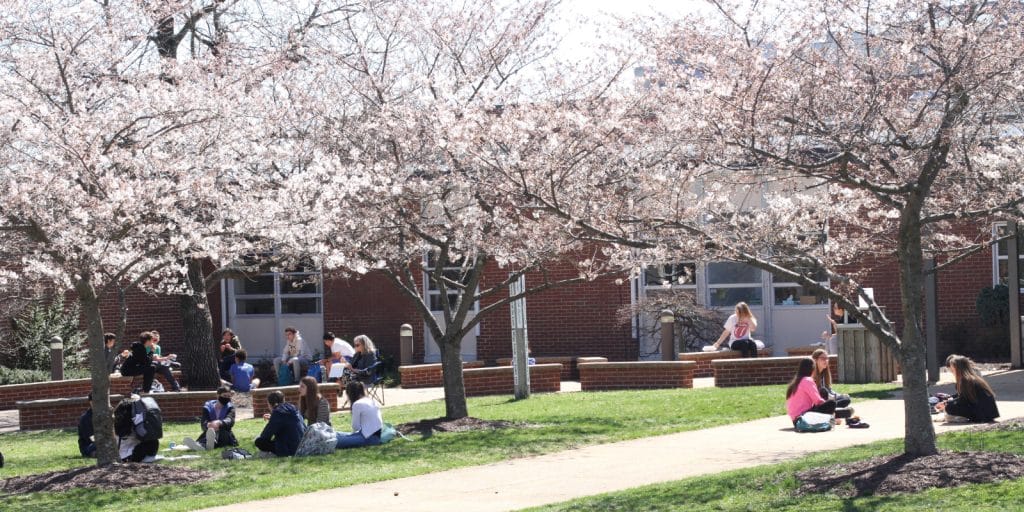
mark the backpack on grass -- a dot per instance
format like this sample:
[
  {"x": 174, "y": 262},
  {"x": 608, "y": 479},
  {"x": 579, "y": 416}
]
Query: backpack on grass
[
  {"x": 152, "y": 426},
  {"x": 814, "y": 422}
]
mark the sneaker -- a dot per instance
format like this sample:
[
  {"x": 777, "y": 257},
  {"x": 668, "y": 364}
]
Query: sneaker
[
  {"x": 211, "y": 439},
  {"x": 191, "y": 443},
  {"x": 149, "y": 459}
]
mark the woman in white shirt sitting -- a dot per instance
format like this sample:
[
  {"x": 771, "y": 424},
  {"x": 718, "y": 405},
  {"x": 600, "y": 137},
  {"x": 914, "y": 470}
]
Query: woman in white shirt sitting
[{"x": 366, "y": 419}]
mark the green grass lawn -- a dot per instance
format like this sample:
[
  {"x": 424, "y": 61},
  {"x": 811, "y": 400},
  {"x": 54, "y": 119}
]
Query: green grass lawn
[
  {"x": 556, "y": 422},
  {"x": 771, "y": 487}
]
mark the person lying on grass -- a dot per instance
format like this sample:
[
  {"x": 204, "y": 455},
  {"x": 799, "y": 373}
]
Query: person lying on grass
[{"x": 974, "y": 399}]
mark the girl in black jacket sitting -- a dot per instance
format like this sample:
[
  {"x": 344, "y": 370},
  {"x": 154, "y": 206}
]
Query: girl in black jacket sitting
[{"x": 974, "y": 398}]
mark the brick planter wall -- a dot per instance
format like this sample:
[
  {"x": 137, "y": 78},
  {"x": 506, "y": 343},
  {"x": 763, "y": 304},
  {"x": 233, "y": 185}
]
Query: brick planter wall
[
  {"x": 761, "y": 371},
  {"x": 54, "y": 412},
  {"x": 636, "y": 375},
  {"x": 428, "y": 375},
  {"x": 330, "y": 391},
  {"x": 498, "y": 380},
  {"x": 591, "y": 359},
  {"x": 73, "y": 388},
  {"x": 703, "y": 359},
  {"x": 805, "y": 350},
  {"x": 567, "y": 362}
]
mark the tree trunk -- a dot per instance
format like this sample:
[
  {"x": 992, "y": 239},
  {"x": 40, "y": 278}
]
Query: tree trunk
[
  {"x": 199, "y": 358},
  {"x": 102, "y": 417},
  {"x": 454, "y": 386},
  {"x": 919, "y": 433}
]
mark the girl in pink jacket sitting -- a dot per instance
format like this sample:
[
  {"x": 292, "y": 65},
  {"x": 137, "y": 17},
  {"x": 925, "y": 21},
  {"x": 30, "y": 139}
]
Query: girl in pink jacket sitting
[{"x": 802, "y": 394}]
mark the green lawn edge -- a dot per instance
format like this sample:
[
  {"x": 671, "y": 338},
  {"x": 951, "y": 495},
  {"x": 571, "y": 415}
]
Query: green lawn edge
[
  {"x": 552, "y": 422},
  {"x": 770, "y": 487}
]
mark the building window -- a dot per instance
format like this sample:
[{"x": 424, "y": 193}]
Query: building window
[
  {"x": 453, "y": 272},
  {"x": 1000, "y": 268},
  {"x": 672, "y": 275},
  {"x": 287, "y": 293},
  {"x": 788, "y": 293},
  {"x": 730, "y": 282}
]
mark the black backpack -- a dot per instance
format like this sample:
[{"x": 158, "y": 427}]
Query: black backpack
[{"x": 152, "y": 427}]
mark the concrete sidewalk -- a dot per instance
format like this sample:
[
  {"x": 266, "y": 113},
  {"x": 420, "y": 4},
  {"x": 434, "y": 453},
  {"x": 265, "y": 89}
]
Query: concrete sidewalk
[{"x": 561, "y": 476}]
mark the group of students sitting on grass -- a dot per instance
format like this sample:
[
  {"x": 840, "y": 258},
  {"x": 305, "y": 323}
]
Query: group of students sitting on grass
[
  {"x": 138, "y": 424},
  {"x": 810, "y": 391}
]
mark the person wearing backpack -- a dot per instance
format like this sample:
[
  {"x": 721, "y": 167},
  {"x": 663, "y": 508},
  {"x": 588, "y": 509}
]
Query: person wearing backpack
[
  {"x": 284, "y": 429},
  {"x": 138, "y": 424},
  {"x": 218, "y": 418},
  {"x": 802, "y": 394},
  {"x": 366, "y": 419}
]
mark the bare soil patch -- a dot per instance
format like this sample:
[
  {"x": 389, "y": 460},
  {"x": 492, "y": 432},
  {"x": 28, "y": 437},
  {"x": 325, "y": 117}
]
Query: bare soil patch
[
  {"x": 427, "y": 428},
  {"x": 115, "y": 476},
  {"x": 900, "y": 473}
]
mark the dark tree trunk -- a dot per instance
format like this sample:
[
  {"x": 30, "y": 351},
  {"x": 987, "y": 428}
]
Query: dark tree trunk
[
  {"x": 102, "y": 418},
  {"x": 199, "y": 358},
  {"x": 919, "y": 433},
  {"x": 454, "y": 387}
]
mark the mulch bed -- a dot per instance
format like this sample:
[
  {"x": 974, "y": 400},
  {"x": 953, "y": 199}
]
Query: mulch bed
[
  {"x": 113, "y": 477},
  {"x": 901, "y": 473},
  {"x": 426, "y": 428}
]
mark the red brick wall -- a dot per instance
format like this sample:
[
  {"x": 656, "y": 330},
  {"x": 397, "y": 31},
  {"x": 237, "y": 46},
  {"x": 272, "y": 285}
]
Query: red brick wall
[
  {"x": 572, "y": 320},
  {"x": 54, "y": 412},
  {"x": 427, "y": 375},
  {"x": 498, "y": 380},
  {"x": 703, "y": 359},
  {"x": 330, "y": 391},
  {"x": 761, "y": 371},
  {"x": 568, "y": 364},
  {"x": 73, "y": 388},
  {"x": 373, "y": 306},
  {"x": 636, "y": 375}
]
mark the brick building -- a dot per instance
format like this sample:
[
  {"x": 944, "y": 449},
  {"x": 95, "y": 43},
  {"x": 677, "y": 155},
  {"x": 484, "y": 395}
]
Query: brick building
[{"x": 576, "y": 320}]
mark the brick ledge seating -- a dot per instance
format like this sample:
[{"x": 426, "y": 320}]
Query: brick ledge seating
[
  {"x": 499, "y": 380},
  {"x": 568, "y": 364},
  {"x": 329, "y": 390},
  {"x": 703, "y": 359},
  {"x": 72, "y": 388},
  {"x": 601, "y": 376},
  {"x": 762, "y": 370},
  {"x": 428, "y": 375},
  {"x": 64, "y": 412}
]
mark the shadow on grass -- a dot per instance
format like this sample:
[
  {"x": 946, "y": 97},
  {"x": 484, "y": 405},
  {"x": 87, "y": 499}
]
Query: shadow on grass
[{"x": 874, "y": 394}]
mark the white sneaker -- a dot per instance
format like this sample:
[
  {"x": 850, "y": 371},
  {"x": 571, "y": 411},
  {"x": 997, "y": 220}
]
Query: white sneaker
[
  {"x": 193, "y": 444},
  {"x": 149, "y": 459},
  {"x": 211, "y": 439}
]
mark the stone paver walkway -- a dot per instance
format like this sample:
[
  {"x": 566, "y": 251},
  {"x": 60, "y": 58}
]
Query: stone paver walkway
[{"x": 561, "y": 476}]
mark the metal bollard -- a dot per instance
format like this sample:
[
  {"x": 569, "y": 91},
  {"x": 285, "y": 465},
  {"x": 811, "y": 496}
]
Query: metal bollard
[
  {"x": 56, "y": 358},
  {"x": 405, "y": 344},
  {"x": 668, "y": 342}
]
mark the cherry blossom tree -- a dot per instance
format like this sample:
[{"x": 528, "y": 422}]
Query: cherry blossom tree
[
  {"x": 111, "y": 157},
  {"x": 420, "y": 115},
  {"x": 824, "y": 137}
]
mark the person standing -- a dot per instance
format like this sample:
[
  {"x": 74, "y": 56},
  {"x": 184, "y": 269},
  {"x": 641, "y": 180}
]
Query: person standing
[{"x": 738, "y": 329}]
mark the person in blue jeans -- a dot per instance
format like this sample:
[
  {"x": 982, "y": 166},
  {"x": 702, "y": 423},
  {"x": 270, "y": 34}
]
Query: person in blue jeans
[
  {"x": 284, "y": 429},
  {"x": 366, "y": 419}
]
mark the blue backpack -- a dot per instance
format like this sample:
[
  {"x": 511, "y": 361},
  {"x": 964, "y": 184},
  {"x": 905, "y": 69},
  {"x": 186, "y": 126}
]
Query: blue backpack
[
  {"x": 284, "y": 375},
  {"x": 814, "y": 422}
]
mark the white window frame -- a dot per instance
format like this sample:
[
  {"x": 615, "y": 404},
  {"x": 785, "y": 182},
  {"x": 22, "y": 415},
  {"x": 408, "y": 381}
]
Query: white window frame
[
  {"x": 711, "y": 287},
  {"x": 997, "y": 257},
  {"x": 429, "y": 293},
  {"x": 277, "y": 296}
]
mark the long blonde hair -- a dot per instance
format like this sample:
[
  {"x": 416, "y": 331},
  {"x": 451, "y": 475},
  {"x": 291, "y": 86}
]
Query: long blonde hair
[
  {"x": 968, "y": 379},
  {"x": 743, "y": 311},
  {"x": 818, "y": 374}
]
